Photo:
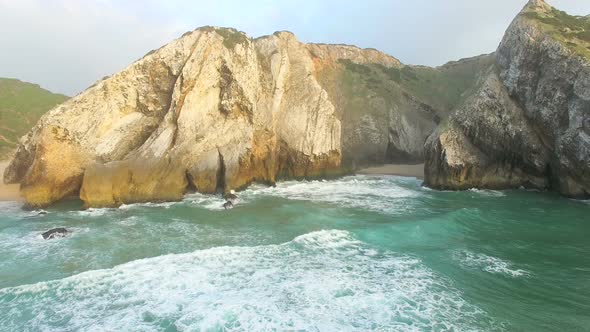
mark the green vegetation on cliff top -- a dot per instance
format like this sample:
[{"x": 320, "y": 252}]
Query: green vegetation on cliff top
[
  {"x": 442, "y": 88},
  {"x": 231, "y": 36},
  {"x": 572, "y": 31},
  {"x": 21, "y": 106}
]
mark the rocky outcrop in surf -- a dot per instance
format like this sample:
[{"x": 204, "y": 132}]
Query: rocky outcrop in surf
[
  {"x": 528, "y": 121},
  {"x": 55, "y": 233}
]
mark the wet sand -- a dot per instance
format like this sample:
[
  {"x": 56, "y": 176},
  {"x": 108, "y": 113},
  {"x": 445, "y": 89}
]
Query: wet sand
[
  {"x": 396, "y": 169},
  {"x": 8, "y": 192}
]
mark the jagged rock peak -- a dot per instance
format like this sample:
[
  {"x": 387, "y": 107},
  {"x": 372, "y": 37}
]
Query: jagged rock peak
[
  {"x": 330, "y": 52},
  {"x": 537, "y": 5}
]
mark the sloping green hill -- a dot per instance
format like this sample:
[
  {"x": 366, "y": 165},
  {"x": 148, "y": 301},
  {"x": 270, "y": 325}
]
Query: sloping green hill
[
  {"x": 572, "y": 31},
  {"x": 21, "y": 105}
]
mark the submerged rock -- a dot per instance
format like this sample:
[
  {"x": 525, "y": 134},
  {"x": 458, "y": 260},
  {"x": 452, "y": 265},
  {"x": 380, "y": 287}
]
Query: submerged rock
[
  {"x": 231, "y": 197},
  {"x": 228, "y": 205},
  {"x": 55, "y": 233}
]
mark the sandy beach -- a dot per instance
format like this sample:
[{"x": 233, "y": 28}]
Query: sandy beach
[
  {"x": 8, "y": 192},
  {"x": 396, "y": 169}
]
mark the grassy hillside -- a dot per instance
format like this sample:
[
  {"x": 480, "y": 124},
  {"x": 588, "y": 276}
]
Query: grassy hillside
[
  {"x": 573, "y": 31},
  {"x": 442, "y": 87},
  {"x": 21, "y": 105}
]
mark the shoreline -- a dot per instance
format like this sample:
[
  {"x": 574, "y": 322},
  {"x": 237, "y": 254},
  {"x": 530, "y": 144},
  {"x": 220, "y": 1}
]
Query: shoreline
[
  {"x": 408, "y": 170},
  {"x": 8, "y": 192}
]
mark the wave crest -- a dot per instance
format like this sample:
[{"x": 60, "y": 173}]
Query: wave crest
[
  {"x": 488, "y": 263},
  {"x": 335, "y": 283}
]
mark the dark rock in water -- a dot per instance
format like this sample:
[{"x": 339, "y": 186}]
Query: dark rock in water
[
  {"x": 228, "y": 205},
  {"x": 231, "y": 197},
  {"x": 42, "y": 213},
  {"x": 55, "y": 233}
]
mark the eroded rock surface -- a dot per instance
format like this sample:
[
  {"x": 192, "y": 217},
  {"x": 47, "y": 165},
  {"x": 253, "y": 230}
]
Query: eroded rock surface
[
  {"x": 212, "y": 111},
  {"x": 528, "y": 123}
]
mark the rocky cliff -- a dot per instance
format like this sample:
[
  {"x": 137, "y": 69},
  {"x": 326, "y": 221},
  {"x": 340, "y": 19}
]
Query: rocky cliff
[
  {"x": 388, "y": 112},
  {"x": 213, "y": 110},
  {"x": 216, "y": 110},
  {"x": 528, "y": 121}
]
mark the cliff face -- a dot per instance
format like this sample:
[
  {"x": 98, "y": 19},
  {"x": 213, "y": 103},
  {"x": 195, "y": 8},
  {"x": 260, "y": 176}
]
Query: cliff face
[
  {"x": 528, "y": 122},
  {"x": 388, "y": 109},
  {"x": 216, "y": 110},
  {"x": 212, "y": 110}
]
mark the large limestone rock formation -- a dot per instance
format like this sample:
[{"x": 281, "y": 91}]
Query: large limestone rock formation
[
  {"x": 213, "y": 110},
  {"x": 528, "y": 123}
]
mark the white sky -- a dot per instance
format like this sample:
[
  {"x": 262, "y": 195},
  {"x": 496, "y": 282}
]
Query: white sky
[{"x": 66, "y": 45}]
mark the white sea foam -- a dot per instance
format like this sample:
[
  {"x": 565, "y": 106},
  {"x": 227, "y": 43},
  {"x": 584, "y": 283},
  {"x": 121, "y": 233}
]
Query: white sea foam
[
  {"x": 488, "y": 263},
  {"x": 130, "y": 221},
  {"x": 488, "y": 192},
  {"x": 11, "y": 208},
  {"x": 375, "y": 193},
  {"x": 209, "y": 202},
  {"x": 30, "y": 247},
  {"x": 583, "y": 201},
  {"x": 321, "y": 281},
  {"x": 165, "y": 205},
  {"x": 99, "y": 212},
  {"x": 95, "y": 212}
]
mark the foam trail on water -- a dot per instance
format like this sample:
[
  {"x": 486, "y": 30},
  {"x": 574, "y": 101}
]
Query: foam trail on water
[
  {"x": 488, "y": 192},
  {"x": 209, "y": 202},
  {"x": 374, "y": 193},
  {"x": 488, "y": 263},
  {"x": 321, "y": 281},
  {"x": 165, "y": 205}
]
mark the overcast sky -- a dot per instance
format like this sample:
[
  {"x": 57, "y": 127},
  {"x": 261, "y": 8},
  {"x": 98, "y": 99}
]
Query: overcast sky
[{"x": 66, "y": 45}]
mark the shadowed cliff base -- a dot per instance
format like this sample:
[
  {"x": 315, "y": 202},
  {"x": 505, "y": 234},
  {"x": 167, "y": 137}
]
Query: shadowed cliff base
[{"x": 8, "y": 192}]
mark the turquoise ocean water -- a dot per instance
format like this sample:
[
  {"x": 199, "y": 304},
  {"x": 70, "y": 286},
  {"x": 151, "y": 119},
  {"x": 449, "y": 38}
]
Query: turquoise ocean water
[{"x": 363, "y": 253}]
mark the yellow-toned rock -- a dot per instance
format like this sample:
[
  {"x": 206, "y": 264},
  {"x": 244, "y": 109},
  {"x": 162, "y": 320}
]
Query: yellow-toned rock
[
  {"x": 57, "y": 171},
  {"x": 212, "y": 111},
  {"x": 129, "y": 181}
]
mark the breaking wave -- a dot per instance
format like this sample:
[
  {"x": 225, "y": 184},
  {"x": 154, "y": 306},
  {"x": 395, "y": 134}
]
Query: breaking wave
[
  {"x": 488, "y": 263},
  {"x": 373, "y": 193},
  {"x": 321, "y": 281}
]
